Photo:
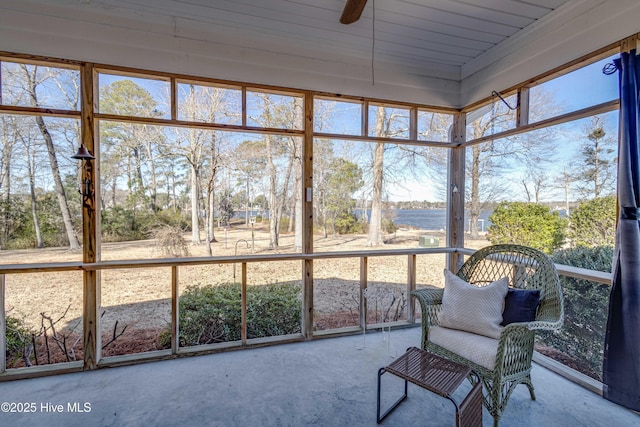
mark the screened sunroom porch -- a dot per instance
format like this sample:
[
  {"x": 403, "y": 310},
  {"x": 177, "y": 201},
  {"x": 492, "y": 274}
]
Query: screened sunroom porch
[{"x": 316, "y": 131}]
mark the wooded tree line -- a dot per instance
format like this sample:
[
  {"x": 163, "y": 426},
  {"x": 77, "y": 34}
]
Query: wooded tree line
[
  {"x": 195, "y": 178},
  {"x": 190, "y": 177}
]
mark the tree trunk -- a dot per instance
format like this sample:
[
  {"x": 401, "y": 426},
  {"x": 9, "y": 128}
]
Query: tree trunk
[
  {"x": 138, "y": 167},
  {"x": 526, "y": 190},
  {"x": 365, "y": 214},
  {"x": 297, "y": 217},
  {"x": 211, "y": 186},
  {"x": 296, "y": 208},
  {"x": 596, "y": 172},
  {"x": 130, "y": 186},
  {"x": 194, "y": 160},
  {"x": 209, "y": 221},
  {"x": 474, "y": 208},
  {"x": 285, "y": 186},
  {"x": 34, "y": 206},
  {"x": 247, "y": 214},
  {"x": 5, "y": 201},
  {"x": 324, "y": 217},
  {"x": 273, "y": 198},
  {"x": 5, "y": 183},
  {"x": 296, "y": 205},
  {"x": 293, "y": 217},
  {"x": 154, "y": 183},
  {"x": 114, "y": 187},
  {"x": 375, "y": 224},
  {"x": 323, "y": 213},
  {"x": 174, "y": 196},
  {"x": 195, "y": 206},
  {"x": 211, "y": 237}
]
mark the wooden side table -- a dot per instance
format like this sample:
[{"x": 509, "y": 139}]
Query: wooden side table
[{"x": 440, "y": 376}]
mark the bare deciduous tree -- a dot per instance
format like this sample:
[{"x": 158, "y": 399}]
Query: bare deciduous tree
[
  {"x": 30, "y": 160},
  {"x": 281, "y": 154},
  {"x": 487, "y": 161},
  {"x": 33, "y": 78}
]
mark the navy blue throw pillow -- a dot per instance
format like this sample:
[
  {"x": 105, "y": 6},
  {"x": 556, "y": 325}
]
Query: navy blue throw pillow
[{"x": 520, "y": 305}]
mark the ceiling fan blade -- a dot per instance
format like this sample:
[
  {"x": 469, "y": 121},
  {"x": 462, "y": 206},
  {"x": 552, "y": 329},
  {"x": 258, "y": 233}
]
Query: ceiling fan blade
[{"x": 352, "y": 11}]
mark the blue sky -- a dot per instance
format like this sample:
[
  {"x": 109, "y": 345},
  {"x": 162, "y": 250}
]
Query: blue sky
[
  {"x": 579, "y": 89},
  {"x": 585, "y": 86}
]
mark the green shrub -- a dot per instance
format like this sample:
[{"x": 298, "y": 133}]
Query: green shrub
[
  {"x": 20, "y": 243},
  {"x": 527, "y": 224},
  {"x": 388, "y": 226},
  {"x": 57, "y": 239},
  {"x": 20, "y": 232},
  {"x": 284, "y": 224},
  {"x": 18, "y": 338},
  {"x": 173, "y": 218},
  {"x": 347, "y": 223},
  {"x": 212, "y": 313},
  {"x": 593, "y": 223},
  {"x": 120, "y": 224},
  {"x": 586, "y": 306}
]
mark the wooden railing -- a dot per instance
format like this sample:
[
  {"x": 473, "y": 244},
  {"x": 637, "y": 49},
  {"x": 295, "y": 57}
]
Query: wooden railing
[{"x": 176, "y": 263}]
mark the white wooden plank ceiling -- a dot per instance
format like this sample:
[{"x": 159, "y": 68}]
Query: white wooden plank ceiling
[{"x": 412, "y": 33}]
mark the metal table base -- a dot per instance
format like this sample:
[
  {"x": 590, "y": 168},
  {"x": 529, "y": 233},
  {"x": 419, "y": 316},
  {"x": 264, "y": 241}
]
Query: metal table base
[{"x": 440, "y": 376}]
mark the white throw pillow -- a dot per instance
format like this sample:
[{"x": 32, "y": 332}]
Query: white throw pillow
[{"x": 471, "y": 308}]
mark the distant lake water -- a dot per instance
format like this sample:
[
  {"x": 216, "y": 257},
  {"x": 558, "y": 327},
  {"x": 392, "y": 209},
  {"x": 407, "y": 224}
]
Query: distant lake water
[
  {"x": 424, "y": 219},
  {"x": 434, "y": 219},
  {"x": 431, "y": 219}
]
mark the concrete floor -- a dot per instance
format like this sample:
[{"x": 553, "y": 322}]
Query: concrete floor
[{"x": 326, "y": 382}]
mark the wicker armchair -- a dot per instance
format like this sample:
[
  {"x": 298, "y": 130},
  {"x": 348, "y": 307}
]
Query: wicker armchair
[{"x": 526, "y": 268}]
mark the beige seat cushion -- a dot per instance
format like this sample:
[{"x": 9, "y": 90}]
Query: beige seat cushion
[
  {"x": 472, "y": 308},
  {"x": 476, "y": 348}
]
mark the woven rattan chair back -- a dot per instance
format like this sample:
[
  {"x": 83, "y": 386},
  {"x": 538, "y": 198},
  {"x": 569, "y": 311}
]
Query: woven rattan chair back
[{"x": 526, "y": 268}]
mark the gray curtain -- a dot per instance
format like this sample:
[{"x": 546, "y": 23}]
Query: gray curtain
[{"x": 621, "y": 368}]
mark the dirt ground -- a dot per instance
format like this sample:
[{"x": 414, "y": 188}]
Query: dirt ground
[
  {"x": 139, "y": 299},
  {"x": 136, "y": 302}
]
